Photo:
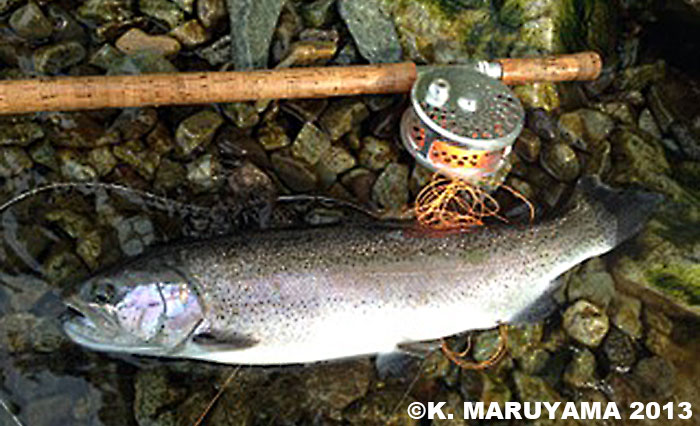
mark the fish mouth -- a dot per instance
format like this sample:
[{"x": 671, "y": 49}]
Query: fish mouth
[{"x": 89, "y": 325}]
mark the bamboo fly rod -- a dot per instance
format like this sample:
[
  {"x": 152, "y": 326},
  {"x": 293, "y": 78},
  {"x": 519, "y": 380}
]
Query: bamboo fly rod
[{"x": 94, "y": 92}]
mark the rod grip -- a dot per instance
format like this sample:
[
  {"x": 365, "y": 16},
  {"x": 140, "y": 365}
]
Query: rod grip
[
  {"x": 94, "y": 92},
  {"x": 577, "y": 66}
]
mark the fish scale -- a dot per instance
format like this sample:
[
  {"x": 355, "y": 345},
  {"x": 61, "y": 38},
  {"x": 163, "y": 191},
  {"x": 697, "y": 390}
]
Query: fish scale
[{"x": 297, "y": 296}]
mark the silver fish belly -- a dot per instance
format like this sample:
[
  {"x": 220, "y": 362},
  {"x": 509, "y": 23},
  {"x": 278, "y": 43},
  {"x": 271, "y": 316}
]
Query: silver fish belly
[{"x": 308, "y": 295}]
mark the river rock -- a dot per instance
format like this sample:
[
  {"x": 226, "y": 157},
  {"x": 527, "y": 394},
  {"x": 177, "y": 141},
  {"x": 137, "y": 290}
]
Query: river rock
[
  {"x": 272, "y": 136},
  {"x": 619, "y": 350},
  {"x": 191, "y": 33},
  {"x": 30, "y": 22},
  {"x": 375, "y": 153},
  {"x": 211, "y": 13},
  {"x": 627, "y": 315},
  {"x": 318, "y": 13},
  {"x": 242, "y": 114},
  {"x": 310, "y": 144},
  {"x": 296, "y": 174},
  {"x": 391, "y": 188},
  {"x": 163, "y": 10},
  {"x": 341, "y": 116},
  {"x": 196, "y": 131},
  {"x": 136, "y": 40},
  {"x": 592, "y": 282},
  {"x": 586, "y": 323},
  {"x": 561, "y": 162},
  {"x": 372, "y": 29},
  {"x": 20, "y": 133},
  {"x": 580, "y": 373},
  {"x": 204, "y": 173},
  {"x": 13, "y": 161},
  {"x": 54, "y": 58},
  {"x": 251, "y": 33}
]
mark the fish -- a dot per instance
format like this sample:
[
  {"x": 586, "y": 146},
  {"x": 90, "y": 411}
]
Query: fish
[{"x": 298, "y": 296}]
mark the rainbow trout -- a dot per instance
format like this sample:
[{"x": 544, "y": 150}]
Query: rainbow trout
[{"x": 298, "y": 296}]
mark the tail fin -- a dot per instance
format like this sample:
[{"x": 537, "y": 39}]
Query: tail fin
[{"x": 631, "y": 208}]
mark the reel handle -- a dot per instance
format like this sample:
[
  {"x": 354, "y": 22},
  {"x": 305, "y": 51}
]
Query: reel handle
[{"x": 577, "y": 66}]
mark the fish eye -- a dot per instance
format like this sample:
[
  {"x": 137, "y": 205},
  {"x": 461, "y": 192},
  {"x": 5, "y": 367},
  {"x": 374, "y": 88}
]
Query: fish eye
[{"x": 103, "y": 292}]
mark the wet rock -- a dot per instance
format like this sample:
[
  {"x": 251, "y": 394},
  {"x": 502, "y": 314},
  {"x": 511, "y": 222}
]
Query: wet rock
[
  {"x": 211, "y": 13},
  {"x": 627, "y": 315},
  {"x": 341, "y": 116},
  {"x": 8, "y": 5},
  {"x": 528, "y": 145},
  {"x": 391, "y": 188},
  {"x": 306, "y": 53},
  {"x": 599, "y": 163},
  {"x": 153, "y": 394},
  {"x": 598, "y": 126},
  {"x": 586, "y": 323},
  {"x": 638, "y": 78},
  {"x": 648, "y": 124},
  {"x": 140, "y": 63},
  {"x": 420, "y": 177},
  {"x": 523, "y": 338},
  {"x": 62, "y": 266},
  {"x": 191, "y": 33},
  {"x": 105, "y": 56},
  {"x": 656, "y": 376},
  {"x": 592, "y": 283},
  {"x": 660, "y": 107},
  {"x": 22, "y": 133},
  {"x": 639, "y": 159},
  {"x": 305, "y": 109},
  {"x": 135, "y": 154},
  {"x": 360, "y": 182},
  {"x": 334, "y": 161},
  {"x": 659, "y": 328},
  {"x": 288, "y": 27},
  {"x": 534, "y": 389},
  {"x": 485, "y": 345},
  {"x": 102, "y": 160},
  {"x": 218, "y": 52},
  {"x": 242, "y": 114},
  {"x": 620, "y": 111},
  {"x": 250, "y": 186},
  {"x": 203, "y": 173},
  {"x": 196, "y": 131},
  {"x": 272, "y": 136},
  {"x": 296, "y": 174},
  {"x": 310, "y": 144},
  {"x": 136, "y": 40},
  {"x": 13, "y": 161},
  {"x": 89, "y": 248},
  {"x": 30, "y": 22},
  {"x": 560, "y": 161},
  {"x": 159, "y": 140},
  {"x": 619, "y": 350},
  {"x": 104, "y": 11},
  {"x": 375, "y": 153},
  {"x": 170, "y": 175},
  {"x": 372, "y": 29},
  {"x": 541, "y": 123},
  {"x": 162, "y": 10},
  {"x": 15, "y": 332},
  {"x": 688, "y": 142},
  {"x": 251, "y": 34},
  {"x": 78, "y": 130},
  {"x": 134, "y": 123},
  {"x": 135, "y": 234},
  {"x": 54, "y": 58},
  {"x": 580, "y": 373},
  {"x": 377, "y": 408},
  {"x": 185, "y": 5},
  {"x": 534, "y": 361},
  {"x": 538, "y": 95},
  {"x": 335, "y": 386},
  {"x": 319, "y": 13}
]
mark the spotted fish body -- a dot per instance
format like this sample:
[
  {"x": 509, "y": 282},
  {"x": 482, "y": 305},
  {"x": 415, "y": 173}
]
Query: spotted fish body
[{"x": 300, "y": 296}]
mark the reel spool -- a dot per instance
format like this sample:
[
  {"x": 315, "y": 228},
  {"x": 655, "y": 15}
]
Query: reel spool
[{"x": 462, "y": 124}]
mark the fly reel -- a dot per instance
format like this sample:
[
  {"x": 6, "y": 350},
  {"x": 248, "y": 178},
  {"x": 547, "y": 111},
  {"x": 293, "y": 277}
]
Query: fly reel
[{"x": 463, "y": 123}]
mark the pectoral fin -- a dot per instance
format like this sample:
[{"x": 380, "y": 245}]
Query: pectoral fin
[{"x": 217, "y": 341}]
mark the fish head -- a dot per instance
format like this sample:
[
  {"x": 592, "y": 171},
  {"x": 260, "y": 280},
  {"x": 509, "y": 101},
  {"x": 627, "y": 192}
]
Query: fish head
[{"x": 148, "y": 311}]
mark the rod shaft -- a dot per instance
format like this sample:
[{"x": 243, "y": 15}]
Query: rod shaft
[
  {"x": 578, "y": 66},
  {"x": 94, "y": 92}
]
